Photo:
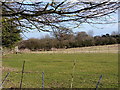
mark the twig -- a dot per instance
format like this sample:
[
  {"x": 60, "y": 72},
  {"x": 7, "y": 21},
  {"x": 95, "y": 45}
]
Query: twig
[
  {"x": 4, "y": 79},
  {"x": 22, "y": 74}
]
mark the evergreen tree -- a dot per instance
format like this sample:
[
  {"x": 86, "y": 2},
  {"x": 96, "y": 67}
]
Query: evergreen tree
[{"x": 10, "y": 34}]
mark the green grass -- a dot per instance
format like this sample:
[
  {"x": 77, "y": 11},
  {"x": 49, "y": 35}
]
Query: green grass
[{"x": 59, "y": 67}]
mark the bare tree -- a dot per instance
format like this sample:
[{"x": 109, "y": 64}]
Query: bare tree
[
  {"x": 42, "y": 15},
  {"x": 63, "y": 35}
]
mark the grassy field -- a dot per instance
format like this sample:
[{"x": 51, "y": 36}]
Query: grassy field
[
  {"x": 91, "y": 49},
  {"x": 58, "y": 69}
]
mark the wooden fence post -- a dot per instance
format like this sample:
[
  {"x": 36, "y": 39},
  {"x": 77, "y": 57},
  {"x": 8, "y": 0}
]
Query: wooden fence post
[
  {"x": 42, "y": 80},
  {"x": 98, "y": 82},
  {"x": 72, "y": 75},
  {"x": 22, "y": 74},
  {"x": 4, "y": 79}
]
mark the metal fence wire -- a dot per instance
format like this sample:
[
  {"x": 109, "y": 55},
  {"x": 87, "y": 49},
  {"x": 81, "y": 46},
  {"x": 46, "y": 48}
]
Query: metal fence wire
[{"x": 42, "y": 75}]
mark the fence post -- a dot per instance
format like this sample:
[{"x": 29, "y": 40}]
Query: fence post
[
  {"x": 22, "y": 74},
  {"x": 72, "y": 75},
  {"x": 4, "y": 79},
  {"x": 98, "y": 82},
  {"x": 42, "y": 80}
]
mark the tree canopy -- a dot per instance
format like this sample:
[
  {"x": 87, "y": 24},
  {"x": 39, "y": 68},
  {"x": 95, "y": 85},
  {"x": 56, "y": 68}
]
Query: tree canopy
[
  {"x": 41, "y": 15},
  {"x": 10, "y": 34}
]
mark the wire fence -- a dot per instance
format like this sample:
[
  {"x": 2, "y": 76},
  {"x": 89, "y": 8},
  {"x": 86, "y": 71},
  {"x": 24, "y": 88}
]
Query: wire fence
[{"x": 28, "y": 76}]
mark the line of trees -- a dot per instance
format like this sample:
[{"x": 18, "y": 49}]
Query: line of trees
[{"x": 69, "y": 40}]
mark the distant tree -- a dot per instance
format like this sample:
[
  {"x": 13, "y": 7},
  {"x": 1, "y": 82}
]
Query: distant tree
[
  {"x": 107, "y": 35},
  {"x": 71, "y": 41},
  {"x": 97, "y": 40},
  {"x": 80, "y": 38},
  {"x": 63, "y": 35},
  {"x": 47, "y": 41},
  {"x": 32, "y": 44},
  {"x": 117, "y": 37},
  {"x": 112, "y": 40},
  {"x": 22, "y": 44}
]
